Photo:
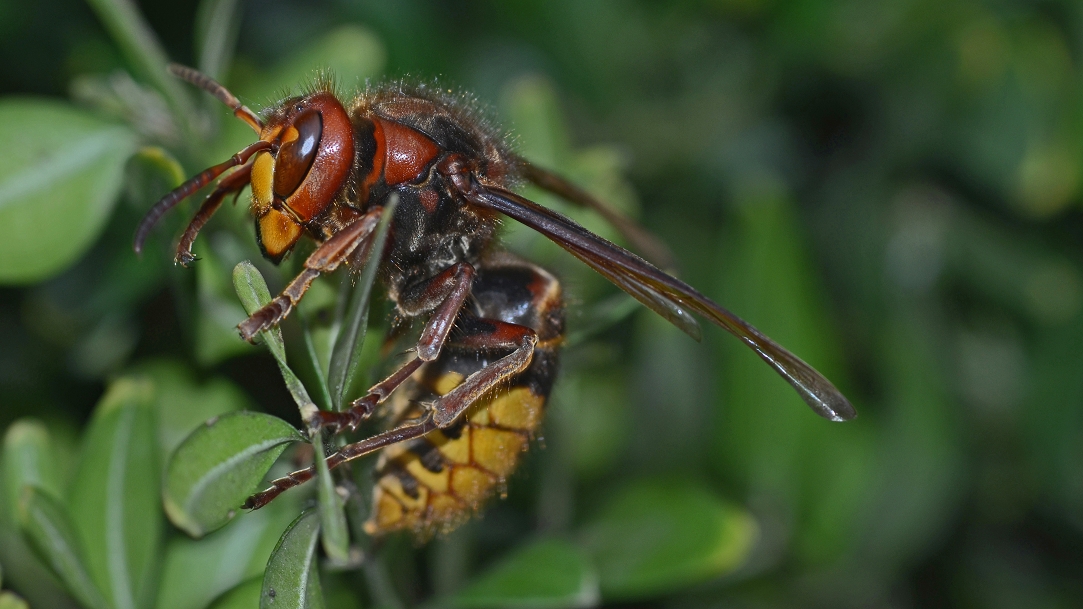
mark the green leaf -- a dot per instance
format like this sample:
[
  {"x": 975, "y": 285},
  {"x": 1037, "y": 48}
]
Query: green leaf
[
  {"x": 916, "y": 463},
  {"x": 313, "y": 361},
  {"x": 195, "y": 572},
  {"x": 348, "y": 334},
  {"x": 62, "y": 172},
  {"x": 219, "y": 465},
  {"x": 346, "y": 354},
  {"x": 28, "y": 461},
  {"x": 591, "y": 415},
  {"x": 48, "y": 528},
  {"x": 764, "y": 426},
  {"x": 292, "y": 580},
  {"x": 252, "y": 290},
  {"x": 243, "y": 596},
  {"x": 115, "y": 489},
  {"x": 545, "y": 573},
  {"x": 150, "y": 173},
  {"x": 182, "y": 404},
  {"x": 8, "y": 600},
  {"x": 654, "y": 538},
  {"x": 26, "y": 456},
  {"x": 336, "y": 536},
  {"x": 765, "y": 439}
]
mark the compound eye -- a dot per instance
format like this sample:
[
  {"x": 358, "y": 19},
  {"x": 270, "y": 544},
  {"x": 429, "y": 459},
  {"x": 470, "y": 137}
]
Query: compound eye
[{"x": 300, "y": 141}]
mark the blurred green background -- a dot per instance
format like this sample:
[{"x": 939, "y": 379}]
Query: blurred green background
[{"x": 891, "y": 189}]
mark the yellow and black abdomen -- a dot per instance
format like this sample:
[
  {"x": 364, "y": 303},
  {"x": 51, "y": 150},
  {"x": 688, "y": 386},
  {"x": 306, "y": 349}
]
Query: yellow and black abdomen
[{"x": 435, "y": 483}]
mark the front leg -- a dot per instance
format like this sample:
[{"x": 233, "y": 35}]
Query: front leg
[
  {"x": 327, "y": 257},
  {"x": 233, "y": 183}
]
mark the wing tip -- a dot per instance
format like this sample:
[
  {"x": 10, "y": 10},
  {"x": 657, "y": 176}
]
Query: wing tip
[{"x": 837, "y": 408}]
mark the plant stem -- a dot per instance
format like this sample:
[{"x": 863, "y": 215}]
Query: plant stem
[
  {"x": 217, "y": 23},
  {"x": 380, "y": 585},
  {"x": 142, "y": 49}
]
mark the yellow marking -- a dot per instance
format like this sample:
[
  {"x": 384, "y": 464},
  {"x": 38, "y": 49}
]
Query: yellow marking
[
  {"x": 549, "y": 344},
  {"x": 447, "y": 382},
  {"x": 479, "y": 412},
  {"x": 278, "y": 232},
  {"x": 270, "y": 132},
  {"x": 553, "y": 296},
  {"x": 437, "y": 483},
  {"x": 455, "y": 451},
  {"x": 470, "y": 484},
  {"x": 497, "y": 450},
  {"x": 476, "y": 463},
  {"x": 445, "y": 508},
  {"x": 517, "y": 409},
  {"x": 388, "y": 514},
  {"x": 263, "y": 173},
  {"x": 291, "y": 134}
]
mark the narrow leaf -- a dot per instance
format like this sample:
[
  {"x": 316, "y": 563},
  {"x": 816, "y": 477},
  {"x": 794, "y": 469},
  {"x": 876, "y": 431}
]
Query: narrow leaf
[
  {"x": 252, "y": 290},
  {"x": 546, "y": 573},
  {"x": 219, "y": 465},
  {"x": 318, "y": 370},
  {"x": 62, "y": 172},
  {"x": 335, "y": 536},
  {"x": 656, "y": 538},
  {"x": 763, "y": 440},
  {"x": 291, "y": 580},
  {"x": 350, "y": 339},
  {"x": 137, "y": 41},
  {"x": 151, "y": 172},
  {"x": 48, "y": 528},
  {"x": 217, "y": 24},
  {"x": 27, "y": 461},
  {"x": 196, "y": 571},
  {"x": 119, "y": 519}
]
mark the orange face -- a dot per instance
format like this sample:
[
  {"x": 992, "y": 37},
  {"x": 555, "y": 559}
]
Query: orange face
[{"x": 312, "y": 149}]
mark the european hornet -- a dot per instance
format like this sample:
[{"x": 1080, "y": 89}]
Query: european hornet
[{"x": 485, "y": 362}]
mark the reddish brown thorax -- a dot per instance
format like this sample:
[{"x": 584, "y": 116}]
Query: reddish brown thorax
[{"x": 408, "y": 152}]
